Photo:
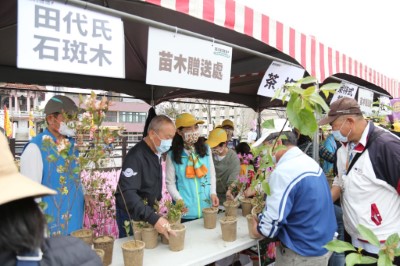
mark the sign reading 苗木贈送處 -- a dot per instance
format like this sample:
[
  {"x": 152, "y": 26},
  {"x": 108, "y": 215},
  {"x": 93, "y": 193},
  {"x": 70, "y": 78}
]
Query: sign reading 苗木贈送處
[
  {"x": 61, "y": 38},
  {"x": 177, "y": 60}
]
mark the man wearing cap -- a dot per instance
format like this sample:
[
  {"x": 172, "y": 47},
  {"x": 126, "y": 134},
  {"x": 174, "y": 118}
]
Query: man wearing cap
[
  {"x": 22, "y": 223},
  {"x": 140, "y": 181},
  {"x": 299, "y": 211},
  {"x": 368, "y": 180},
  {"x": 66, "y": 209},
  {"x": 226, "y": 162},
  {"x": 229, "y": 128}
]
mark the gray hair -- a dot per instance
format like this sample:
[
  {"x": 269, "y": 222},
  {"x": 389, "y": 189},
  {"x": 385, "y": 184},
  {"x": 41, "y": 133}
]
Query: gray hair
[{"x": 157, "y": 122}]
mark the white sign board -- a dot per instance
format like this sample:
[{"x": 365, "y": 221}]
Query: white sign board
[
  {"x": 365, "y": 100},
  {"x": 384, "y": 102},
  {"x": 181, "y": 61},
  {"x": 276, "y": 76},
  {"x": 346, "y": 90},
  {"x": 61, "y": 38}
]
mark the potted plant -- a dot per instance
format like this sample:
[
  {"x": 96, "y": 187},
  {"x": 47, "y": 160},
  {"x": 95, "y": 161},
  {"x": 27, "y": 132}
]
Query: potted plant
[
  {"x": 173, "y": 212},
  {"x": 132, "y": 250}
]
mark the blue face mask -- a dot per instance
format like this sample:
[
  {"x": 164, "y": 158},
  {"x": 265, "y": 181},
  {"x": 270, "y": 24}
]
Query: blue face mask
[
  {"x": 165, "y": 144},
  {"x": 338, "y": 136}
]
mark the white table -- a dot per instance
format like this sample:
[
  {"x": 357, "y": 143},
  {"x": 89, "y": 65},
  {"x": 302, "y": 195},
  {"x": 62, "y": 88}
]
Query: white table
[{"x": 202, "y": 246}]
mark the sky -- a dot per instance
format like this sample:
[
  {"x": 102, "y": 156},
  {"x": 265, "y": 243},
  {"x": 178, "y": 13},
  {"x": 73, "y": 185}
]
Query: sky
[{"x": 368, "y": 31}]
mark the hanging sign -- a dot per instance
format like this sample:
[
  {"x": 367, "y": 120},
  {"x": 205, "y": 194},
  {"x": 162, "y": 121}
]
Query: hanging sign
[
  {"x": 396, "y": 109},
  {"x": 365, "y": 100},
  {"x": 276, "y": 76},
  {"x": 345, "y": 90},
  {"x": 384, "y": 106},
  {"x": 181, "y": 61},
  {"x": 61, "y": 38}
]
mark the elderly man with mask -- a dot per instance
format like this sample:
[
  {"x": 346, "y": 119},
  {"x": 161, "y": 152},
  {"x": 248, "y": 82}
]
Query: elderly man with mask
[
  {"x": 368, "y": 180},
  {"x": 36, "y": 165},
  {"x": 141, "y": 177}
]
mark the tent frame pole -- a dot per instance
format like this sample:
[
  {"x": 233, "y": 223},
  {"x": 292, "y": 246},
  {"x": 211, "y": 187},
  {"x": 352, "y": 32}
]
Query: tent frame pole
[{"x": 163, "y": 26}]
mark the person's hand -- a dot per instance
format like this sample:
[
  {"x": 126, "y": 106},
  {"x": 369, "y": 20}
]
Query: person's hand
[
  {"x": 90, "y": 204},
  {"x": 214, "y": 200},
  {"x": 254, "y": 228},
  {"x": 229, "y": 195},
  {"x": 163, "y": 227},
  {"x": 249, "y": 192}
]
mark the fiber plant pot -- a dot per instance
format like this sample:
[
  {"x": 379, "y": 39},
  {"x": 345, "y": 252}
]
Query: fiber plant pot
[
  {"x": 133, "y": 252},
  {"x": 250, "y": 222},
  {"x": 246, "y": 206},
  {"x": 84, "y": 234},
  {"x": 100, "y": 253},
  {"x": 228, "y": 228},
  {"x": 231, "y": 207},
  {"x": 210, "y": 217},
  {"x": 177, "y": 243},
  {"x": 257, "y": 210},
  {"x": 105, "y": 243},
  {"x": 137, "y": 229},
  {"x": 149, "y": 236}
]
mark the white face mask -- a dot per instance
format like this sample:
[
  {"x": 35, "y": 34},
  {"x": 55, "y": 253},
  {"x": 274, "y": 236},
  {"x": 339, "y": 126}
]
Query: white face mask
[
  {"x": 66, "y": 130},
  {"x": 338, "y": 136}
]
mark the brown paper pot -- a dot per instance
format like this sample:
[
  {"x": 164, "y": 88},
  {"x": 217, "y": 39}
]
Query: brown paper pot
[
  {"x": 100, "y": 253},
  {"x": 228, "y": 227},
  {"x": 132, "y": 252},
  {"x": 250, "y": 222},
  {"x": 85, "y": 234},
  {"x": 137, "y": 229},
  {"x": 246, "y": 206},
  {"x": 231, "y": 207},
  {"x": 150, "y": 237},
  {"x": 177, "y": 243},
  {"x": 164, "y": 240},
  {"x": 105, "y": 243},
  {"x": 210, "y": 217}
]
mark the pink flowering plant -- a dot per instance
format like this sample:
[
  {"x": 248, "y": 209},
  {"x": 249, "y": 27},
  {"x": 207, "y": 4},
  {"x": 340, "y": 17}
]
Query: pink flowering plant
[{"x": 83, "y": 162}]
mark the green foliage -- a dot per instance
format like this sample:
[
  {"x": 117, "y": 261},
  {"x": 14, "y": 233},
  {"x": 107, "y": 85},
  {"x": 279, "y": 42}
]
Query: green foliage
[
  {"x": 175, "y": 211},
  {"x": 386, "y": 253}
]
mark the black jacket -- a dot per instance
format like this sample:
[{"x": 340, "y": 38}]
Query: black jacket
[
  {"x": 141, "y": 178},
  {"x": 60, "y": 251}
]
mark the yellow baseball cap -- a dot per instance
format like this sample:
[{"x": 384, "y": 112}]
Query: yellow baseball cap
[
  {"x": 216, "y": 136},
  {"x": 186, "y": 120},
  {"x": 227, "y": 123}
]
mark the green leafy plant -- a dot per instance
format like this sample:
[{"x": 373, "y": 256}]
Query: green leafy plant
[
  {"x": 386, "y": 254},
  {"x": 175, "y": 211}
]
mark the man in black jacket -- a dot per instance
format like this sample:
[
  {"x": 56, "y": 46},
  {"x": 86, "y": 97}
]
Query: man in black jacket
[{"x": 140, "y": 182}]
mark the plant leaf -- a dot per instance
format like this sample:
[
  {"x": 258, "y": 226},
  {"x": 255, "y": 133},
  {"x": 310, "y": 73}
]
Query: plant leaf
[
  {"x": 268, "y": 124},
  {"x": 368, "y": 235},
  {"x": 329, "y": 87},
  {"x": 310, "y": 90},
  {"x": 304, "y": 121},
  {"x": 353, "y": 258},
  {"x": 383, "y": 259},
  {"x": 368, "y": 260},
  {"x": 397, "y": 252},
  {"x": 266, "y": 188},
  {"x": 317, "y": 99},
  {"x": 307, "y": 80},
  {"x": 393, "y": 240},
  {"x": 339, "y": 246}
]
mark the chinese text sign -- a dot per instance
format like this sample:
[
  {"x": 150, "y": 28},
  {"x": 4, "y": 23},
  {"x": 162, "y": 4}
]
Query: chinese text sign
[
  {"x": 365, "y": 100},
  {"x": 345, "y": 90},
  {"x": 181, "y": 61},
  {"x": 57, "y": 37}
]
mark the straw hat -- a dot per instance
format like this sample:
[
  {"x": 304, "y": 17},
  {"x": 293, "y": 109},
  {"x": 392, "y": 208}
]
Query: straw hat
[{"x": 13, "y": 185}]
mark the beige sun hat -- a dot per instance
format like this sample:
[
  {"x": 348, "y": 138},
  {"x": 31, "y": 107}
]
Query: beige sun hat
[{"x": 13, "y": 185}]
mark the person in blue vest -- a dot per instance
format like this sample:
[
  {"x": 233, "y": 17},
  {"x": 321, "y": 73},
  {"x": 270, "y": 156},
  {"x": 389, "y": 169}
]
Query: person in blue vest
[
  {"x": 190, "y": 173},
  {"x": 66, "y": 209}
]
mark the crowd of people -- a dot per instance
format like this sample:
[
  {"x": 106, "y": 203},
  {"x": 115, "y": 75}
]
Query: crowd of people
[{"x": 201, "y": 171}]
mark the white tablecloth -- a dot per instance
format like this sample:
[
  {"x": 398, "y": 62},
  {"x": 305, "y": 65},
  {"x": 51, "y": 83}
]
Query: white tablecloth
[{"x": 202, "y": 246}]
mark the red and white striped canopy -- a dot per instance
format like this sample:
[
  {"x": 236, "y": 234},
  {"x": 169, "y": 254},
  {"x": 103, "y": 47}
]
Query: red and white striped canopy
[{"x": 318, "y": 59}]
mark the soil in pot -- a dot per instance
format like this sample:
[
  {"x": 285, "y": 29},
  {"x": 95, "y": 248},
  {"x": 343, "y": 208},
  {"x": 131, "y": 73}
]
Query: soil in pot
[
  {"x": 177, "y": 243},
  {"x": 132, "y": 252},
  {"x": 85, "y": 234},
  {"x": 246, "y": 206},
  {"x": 210, "y": 217},
  {"x": 231, "y": 207},
  {"x": 105, "y": 243},
  {"x": 149, "y": 236},
  {"x": 228, "y": 227}
]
